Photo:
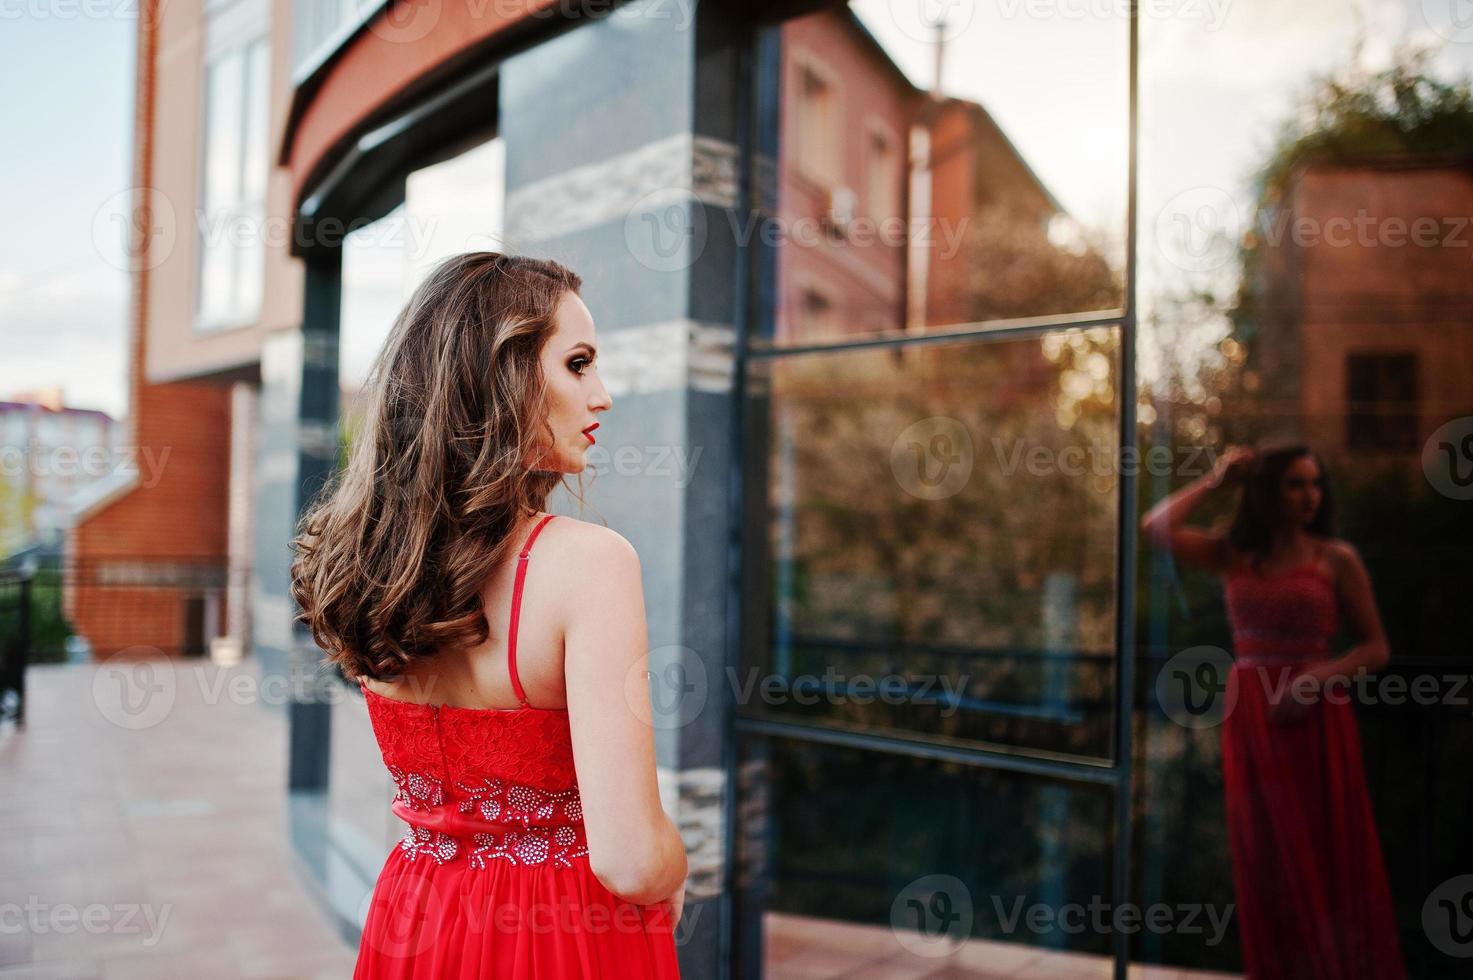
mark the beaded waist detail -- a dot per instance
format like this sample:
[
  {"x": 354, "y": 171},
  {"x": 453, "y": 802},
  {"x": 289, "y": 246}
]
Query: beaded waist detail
[
  {"x": 488, "y": 820},
  {"x": 1260, "y": 646}
]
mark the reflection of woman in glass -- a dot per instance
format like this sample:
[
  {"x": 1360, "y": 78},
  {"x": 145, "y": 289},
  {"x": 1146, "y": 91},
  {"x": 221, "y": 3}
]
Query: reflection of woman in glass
[{"x": 1312, "y": 895}]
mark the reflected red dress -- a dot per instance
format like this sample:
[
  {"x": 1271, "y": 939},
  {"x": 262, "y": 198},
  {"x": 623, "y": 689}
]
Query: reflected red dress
[
  {"x": 492, "y": 880},
  {"x": 1312, "y": 896}
]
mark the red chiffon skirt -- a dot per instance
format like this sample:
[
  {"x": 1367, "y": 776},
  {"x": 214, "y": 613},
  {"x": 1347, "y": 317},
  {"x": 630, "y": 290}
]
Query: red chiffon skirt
[
  {"x": 508, "y": 922},
  {"x": 1312, "y": 895}
]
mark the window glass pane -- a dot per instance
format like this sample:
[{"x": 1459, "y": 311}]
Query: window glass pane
[
  {"x": 217, "y": 275},
  {"x": 456, "y": 206},
  {"x": 1305, "y": 282},
  {"x": 939, "y": 517},
  {"x": 257, "y": 129},
  {"x": 452, "y": 206},
  {"x": 224, "y": 108},
  {"x": 1001, "y": 195},
  {"x": 855, "y": 862},
  {"x": 236, "y": 165}
]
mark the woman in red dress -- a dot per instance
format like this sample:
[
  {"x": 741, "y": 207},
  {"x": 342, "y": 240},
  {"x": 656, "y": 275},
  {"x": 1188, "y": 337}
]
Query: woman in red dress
[
  {"x": 523, "y": 751},
  {"x": 1313, "y": 901}
]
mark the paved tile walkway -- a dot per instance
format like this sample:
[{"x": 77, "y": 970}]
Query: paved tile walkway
[
  {"x": 803, "y": 948},
  {"x": 147, "y": 837}
]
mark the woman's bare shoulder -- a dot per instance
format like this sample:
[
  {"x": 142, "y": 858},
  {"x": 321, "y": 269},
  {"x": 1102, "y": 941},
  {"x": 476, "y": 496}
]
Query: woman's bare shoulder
[
  {"x": 586, "y": 543},
  {"x": 595, "y": 571},
  {"x": 1343, "y": 557}
]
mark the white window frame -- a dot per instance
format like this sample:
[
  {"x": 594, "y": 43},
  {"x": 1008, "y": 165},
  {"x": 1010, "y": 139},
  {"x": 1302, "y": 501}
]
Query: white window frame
[
  {"x": 235, "y": 29},
  {"x": 828, "y": 169}
]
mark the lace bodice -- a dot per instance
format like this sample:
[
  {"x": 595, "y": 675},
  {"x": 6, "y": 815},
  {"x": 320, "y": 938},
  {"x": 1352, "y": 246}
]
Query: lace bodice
[
  {"x": 1288, "y": 615},
  {"x": 524, "y": 745}
]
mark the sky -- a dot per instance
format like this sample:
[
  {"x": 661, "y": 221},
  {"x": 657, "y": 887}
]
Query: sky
[
  {"x": 66, "y": 113},
  {"x": 1217, "y": 77}
]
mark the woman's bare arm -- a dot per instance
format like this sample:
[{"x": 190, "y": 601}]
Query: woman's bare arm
[
  {"x": 1358, "y": 600},
  {"x": 1164, "y": 525},
  {"x": 634, "y": 848}
]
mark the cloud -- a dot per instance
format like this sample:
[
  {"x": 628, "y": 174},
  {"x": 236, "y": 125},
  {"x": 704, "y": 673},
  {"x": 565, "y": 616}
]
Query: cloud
[{"x": 69, "y": 329}]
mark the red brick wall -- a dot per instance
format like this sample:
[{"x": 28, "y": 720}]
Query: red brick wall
[
  {"x": 1374, "y": 289},
  {"x": 179, "y": 521},
  {"x": 866, "y": 278},
  {"x": 177, "y": 512}
]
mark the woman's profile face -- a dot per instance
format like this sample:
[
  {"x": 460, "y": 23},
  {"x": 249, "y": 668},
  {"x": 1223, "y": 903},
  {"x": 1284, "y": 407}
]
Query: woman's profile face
[
  {"x": 1302, "y": 490},
  {"x": 575, "y": 394}
]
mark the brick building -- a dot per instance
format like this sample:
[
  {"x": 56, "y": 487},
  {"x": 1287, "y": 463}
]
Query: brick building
[
  {"x": 1366, "y": 332},
  {"x": 52, "y": 456},
  {"x": 628, "y": 143}
]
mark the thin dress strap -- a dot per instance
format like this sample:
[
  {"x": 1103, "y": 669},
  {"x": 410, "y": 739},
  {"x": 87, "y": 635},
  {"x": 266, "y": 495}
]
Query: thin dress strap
[{"x": 516, "y": 612}]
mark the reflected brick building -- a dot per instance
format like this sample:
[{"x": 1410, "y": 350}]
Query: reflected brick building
[
  {"x": 880, "y": 183},
  {"x": 1365, "y": 338}
]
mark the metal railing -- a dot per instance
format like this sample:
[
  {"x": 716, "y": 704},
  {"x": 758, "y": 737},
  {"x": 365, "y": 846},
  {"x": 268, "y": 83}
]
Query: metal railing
[{"x": 15, "y": 644}]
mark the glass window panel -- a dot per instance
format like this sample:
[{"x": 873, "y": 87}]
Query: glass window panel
[
  {"x": 999, "y": 195},
  {"x": 236, "y": 166},
  {"x": 939, "y": 516},
  {"x": 217, "y": 278},
  {"x": 224, "y": 106},
  {"x": 257, "y": 128},
  {"x": 375, "y": 287},
  {"x": 1287, "y": 160},
  {"x": 452, "y": 206},
  {"x": 456, "y": 205},
  {"x": 855, "y": 862}
]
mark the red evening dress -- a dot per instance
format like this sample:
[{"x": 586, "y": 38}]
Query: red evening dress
[
  {"x": 1312, "y": 896},
  {"x": 492, "y": 880}
]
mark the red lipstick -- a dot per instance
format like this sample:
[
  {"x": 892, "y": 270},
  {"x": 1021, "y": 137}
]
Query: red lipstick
[{"x": 589, "y": 432}]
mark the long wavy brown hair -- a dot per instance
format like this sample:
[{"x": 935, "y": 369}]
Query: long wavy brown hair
[
  {"x": 1260, "y": 507},
  {"x": 392, "y": 556}
]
